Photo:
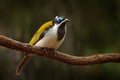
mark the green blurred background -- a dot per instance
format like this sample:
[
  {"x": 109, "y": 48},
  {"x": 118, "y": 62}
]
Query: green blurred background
[{"x": 94, "y": 29}]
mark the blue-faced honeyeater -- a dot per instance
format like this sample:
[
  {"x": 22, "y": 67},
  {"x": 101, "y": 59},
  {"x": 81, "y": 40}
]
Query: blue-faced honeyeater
[{"x": 51, "y": 34}]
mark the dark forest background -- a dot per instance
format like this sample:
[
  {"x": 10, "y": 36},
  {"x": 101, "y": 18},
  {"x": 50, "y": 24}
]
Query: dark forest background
[{"x": 94, "y": 28}]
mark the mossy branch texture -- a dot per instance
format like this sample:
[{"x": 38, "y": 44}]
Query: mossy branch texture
[{"x": 60, "y": 56}]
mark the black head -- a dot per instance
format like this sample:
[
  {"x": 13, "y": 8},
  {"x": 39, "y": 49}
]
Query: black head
[{"x": 58, "y": 19}]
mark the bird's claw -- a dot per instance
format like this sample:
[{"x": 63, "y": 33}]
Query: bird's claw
[{"x": 48, "y": 51}]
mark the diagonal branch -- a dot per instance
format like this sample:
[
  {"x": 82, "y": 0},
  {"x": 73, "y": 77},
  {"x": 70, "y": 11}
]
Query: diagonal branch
[{"x": 63, "y": 57}]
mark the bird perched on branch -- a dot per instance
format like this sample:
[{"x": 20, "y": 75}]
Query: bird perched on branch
[{"x": 50, "y": 35}]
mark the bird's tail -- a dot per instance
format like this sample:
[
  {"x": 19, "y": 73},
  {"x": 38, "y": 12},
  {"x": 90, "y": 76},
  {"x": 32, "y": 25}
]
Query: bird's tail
[{"x": 24, "y": 60}]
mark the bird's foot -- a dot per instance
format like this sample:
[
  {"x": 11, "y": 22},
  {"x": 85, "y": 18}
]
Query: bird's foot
[{"x": 49, "y": 51}]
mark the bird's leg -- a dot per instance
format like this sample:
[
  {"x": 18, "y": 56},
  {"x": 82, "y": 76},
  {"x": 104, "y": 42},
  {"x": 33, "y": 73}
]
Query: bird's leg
[
  {"x": 45, "y": 50},
  {"x": 49, "y": 51}
]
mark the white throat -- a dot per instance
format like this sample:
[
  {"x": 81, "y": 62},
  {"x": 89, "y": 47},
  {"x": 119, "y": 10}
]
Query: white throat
[{"x": 50, "y": 39}]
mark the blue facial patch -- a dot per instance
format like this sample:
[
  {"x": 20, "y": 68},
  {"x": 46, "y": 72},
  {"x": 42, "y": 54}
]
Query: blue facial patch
[{"x": 58, "y": 19}]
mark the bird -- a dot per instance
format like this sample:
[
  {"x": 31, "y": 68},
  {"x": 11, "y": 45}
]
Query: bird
[{"x": 51, "y": 35}]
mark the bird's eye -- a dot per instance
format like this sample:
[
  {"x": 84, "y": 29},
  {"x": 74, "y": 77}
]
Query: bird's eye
[{"x": 58, "y": 19}]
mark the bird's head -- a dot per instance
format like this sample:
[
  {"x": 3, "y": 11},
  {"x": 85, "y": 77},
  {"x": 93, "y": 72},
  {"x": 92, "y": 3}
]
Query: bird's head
[{"x": 60, "y": 20}]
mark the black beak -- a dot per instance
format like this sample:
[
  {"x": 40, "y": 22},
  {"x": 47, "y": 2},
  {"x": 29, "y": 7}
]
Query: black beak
[{"x": 67, "y": 20}]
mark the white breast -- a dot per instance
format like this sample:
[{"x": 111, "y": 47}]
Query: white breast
[{"x": 50, "y": 39}]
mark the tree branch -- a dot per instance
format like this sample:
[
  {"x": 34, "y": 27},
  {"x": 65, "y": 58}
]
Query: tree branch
[{"x": 63, "y": 57}]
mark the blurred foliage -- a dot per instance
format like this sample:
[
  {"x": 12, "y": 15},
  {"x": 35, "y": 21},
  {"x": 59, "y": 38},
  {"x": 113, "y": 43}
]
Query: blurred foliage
[{"x": 94, "y": 28}]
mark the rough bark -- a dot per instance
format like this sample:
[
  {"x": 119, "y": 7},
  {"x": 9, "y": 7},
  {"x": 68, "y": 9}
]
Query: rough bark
[{"x": 56, "y": 55}]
